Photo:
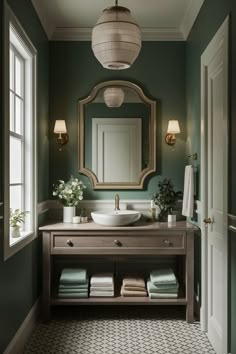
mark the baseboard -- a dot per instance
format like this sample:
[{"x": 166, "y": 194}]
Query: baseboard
[{"x": 16, "y": 346}]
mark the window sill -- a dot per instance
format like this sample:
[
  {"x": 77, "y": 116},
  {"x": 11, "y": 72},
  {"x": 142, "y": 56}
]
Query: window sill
[
  {"x": 16, "y": 244},
  {"x": 23, "y": 235}
]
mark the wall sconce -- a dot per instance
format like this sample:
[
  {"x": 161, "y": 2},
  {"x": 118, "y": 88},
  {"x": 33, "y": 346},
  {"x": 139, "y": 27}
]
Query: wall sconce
[
  {"x": 173, "y": 128},
  {"x": 60, "y": 128}
]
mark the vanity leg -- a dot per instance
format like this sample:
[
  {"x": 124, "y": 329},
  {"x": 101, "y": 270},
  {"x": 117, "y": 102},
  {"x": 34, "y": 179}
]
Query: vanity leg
[
  {"x": 46, "y": 277},
  {"x": 189, "y": 278}
]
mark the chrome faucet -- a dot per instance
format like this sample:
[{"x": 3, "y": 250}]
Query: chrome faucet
[{"x": 117, "y": 202}]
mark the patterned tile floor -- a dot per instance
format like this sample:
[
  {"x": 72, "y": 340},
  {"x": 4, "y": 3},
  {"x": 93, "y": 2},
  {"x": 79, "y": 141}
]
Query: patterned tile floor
[{"x": 119, "y": 330}]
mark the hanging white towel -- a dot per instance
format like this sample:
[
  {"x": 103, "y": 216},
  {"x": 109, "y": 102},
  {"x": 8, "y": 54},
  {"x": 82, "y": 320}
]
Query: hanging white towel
[{"x": 188, "y": 198}]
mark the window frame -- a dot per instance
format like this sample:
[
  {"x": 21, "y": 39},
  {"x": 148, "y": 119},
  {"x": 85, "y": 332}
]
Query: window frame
[
  {"x": 12, "y": 133},
  {"x": 11, "y": 246}
]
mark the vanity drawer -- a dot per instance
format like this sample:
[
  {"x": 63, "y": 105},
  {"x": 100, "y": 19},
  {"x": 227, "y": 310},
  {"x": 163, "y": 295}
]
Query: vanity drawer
[{"x": 118, "y": 244}]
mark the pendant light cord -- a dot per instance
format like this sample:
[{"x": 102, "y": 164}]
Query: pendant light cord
[{"x": 116, "y": 2}]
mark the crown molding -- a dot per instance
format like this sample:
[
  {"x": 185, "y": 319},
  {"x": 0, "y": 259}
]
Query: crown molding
[
  {"x": 148, "y": 34},
  {"x": 190, "y": 16},
  {"x": 85, "y": 34},
  {"x": 47, "y": 25}
]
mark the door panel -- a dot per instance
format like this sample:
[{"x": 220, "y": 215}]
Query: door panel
[
  {"x": 215, "y": 179},
  {"x": 217, "y": 245}
]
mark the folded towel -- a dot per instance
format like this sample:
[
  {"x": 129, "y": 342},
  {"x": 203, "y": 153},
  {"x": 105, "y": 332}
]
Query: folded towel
[
  {"x": 127, "y": 293},
  {"x": 102, "y": 288},
  {"x": 171, "y": 288},
  {"x": 163, "y": 276},
  {"x": 188, "y": 197},
  {"x": 101, "y": 293},
  {"x": 72, "y": 290},
  {"x": 102, "y": 279},
  {"x": 134, "y": 288},
  {"x": 99, "y": 285},
  {"x": 74, "y": 286},
  {"x": 73, "y": 295},
  {"x": 73, "y": 276},
  {"x": 133, "y": 281},
  {"x": 163, "y": 296}
]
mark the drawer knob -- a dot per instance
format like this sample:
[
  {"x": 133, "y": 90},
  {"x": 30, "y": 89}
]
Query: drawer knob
[
  {"x": 118, "y": 243},
  {"x": 70, "y": 243},
  {"x": 167, "y": 243}
]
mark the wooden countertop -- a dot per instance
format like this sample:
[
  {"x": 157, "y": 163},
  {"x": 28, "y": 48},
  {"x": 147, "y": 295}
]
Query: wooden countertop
[{"x": 140, "y": 225}]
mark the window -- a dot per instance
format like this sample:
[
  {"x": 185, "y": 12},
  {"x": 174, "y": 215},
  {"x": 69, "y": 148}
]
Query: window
[{"x": 20, "y": 135}]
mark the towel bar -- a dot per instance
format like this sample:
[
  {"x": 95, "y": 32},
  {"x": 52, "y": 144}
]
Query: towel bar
[{"x": 232, "y": 228}]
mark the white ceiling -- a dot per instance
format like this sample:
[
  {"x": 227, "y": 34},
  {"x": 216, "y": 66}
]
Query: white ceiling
[{"x": 158, "y": 19}]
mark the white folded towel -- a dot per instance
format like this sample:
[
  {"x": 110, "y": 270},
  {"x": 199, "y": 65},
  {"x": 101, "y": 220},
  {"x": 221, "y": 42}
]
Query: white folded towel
[
  {"x": 99, "y": 285},
  {"x": 188, "y": 198},
  {"x": 102, "y": 279},
  {"x": 101, "y": 293},
  {"x": 102, "y": 288}
]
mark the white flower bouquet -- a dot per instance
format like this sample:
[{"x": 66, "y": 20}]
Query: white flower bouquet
[{"x": 69, "y": 193}]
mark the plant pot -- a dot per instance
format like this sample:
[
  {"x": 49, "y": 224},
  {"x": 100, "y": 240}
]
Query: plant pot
[
  {"x": 171, "y": 218},
  {"x": 15, "y": 231},
  {"x": 68, "y": 213}
]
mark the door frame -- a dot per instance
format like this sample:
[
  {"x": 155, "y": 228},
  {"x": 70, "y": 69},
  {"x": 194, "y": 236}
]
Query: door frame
[{"x": 219, "y": 41}]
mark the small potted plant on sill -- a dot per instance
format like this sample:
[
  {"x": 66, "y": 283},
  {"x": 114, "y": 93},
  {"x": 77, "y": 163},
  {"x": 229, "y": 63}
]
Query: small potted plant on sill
[
  {"x": 17, "y": 218},
  {"x": 166, "y": 199},
  {"x": 69, "y": 194}
]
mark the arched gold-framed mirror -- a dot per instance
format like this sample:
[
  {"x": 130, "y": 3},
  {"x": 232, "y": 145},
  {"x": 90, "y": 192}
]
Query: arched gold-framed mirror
[{"x": 117, "y": 136}]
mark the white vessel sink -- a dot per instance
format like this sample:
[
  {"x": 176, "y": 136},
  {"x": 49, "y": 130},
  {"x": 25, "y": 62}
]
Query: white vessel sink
[{"x": 115, "y": 218}]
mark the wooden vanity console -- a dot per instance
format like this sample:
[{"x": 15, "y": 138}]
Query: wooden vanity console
[{"x": 147, "y": 240}]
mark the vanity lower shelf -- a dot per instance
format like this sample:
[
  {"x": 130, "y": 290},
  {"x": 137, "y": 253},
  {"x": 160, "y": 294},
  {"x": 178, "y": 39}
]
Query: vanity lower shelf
[{"x": 119, "y": 300}]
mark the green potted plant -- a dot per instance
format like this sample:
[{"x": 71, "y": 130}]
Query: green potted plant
[
  {"x": 166, "y": 198},
  {"x": 17, "y": 218}
]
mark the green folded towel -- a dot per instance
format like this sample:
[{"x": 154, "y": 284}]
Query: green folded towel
[
  {"x": 72, "y": 290},
  {"x": 74, "y": 286},
  {"x": 163, "y": 288},
  {"x": 73, "y": 295},
  {"x": 163, "y": 276},
  {"x": 162, "y": 296},
  {"x": 73, "y": 276}
]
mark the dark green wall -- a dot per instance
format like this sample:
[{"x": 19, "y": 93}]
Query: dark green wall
[
  {"x": 211, "y": 16},
  {"x": 19, "y": 275},
  {"x": 159, "y": 70}
]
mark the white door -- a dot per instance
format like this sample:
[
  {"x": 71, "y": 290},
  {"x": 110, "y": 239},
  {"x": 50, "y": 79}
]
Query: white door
[
  {"x": 117, "y": 149},
  {"x": 214, "y": 176}
]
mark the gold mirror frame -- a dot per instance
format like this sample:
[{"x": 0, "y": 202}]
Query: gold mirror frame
[{"x": 152, "y": 137}]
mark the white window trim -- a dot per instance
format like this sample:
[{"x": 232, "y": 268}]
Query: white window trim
[{"x": 25, "y": 238}]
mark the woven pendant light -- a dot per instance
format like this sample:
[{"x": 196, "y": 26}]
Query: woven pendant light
[
  {"x": 116, "y": 38},
  {"x": 113, "y": 96}
]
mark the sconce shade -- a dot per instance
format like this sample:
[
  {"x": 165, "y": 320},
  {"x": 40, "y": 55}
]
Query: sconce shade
[
  {"x": 173, "y": 127},
  {"x": 116, "y": 38},
  {"x": 60, "y": 127},
  {"x": 113, "y": 96}
]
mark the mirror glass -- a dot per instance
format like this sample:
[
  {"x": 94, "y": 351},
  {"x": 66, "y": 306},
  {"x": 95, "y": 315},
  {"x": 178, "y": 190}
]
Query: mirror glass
[{"x": 117, "y": 134}]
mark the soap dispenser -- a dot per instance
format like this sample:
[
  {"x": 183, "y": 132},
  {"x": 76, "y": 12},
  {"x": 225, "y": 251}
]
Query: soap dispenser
[
  {"x": 83, "y": 217},
  {"x": 153, "y": 211}
]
